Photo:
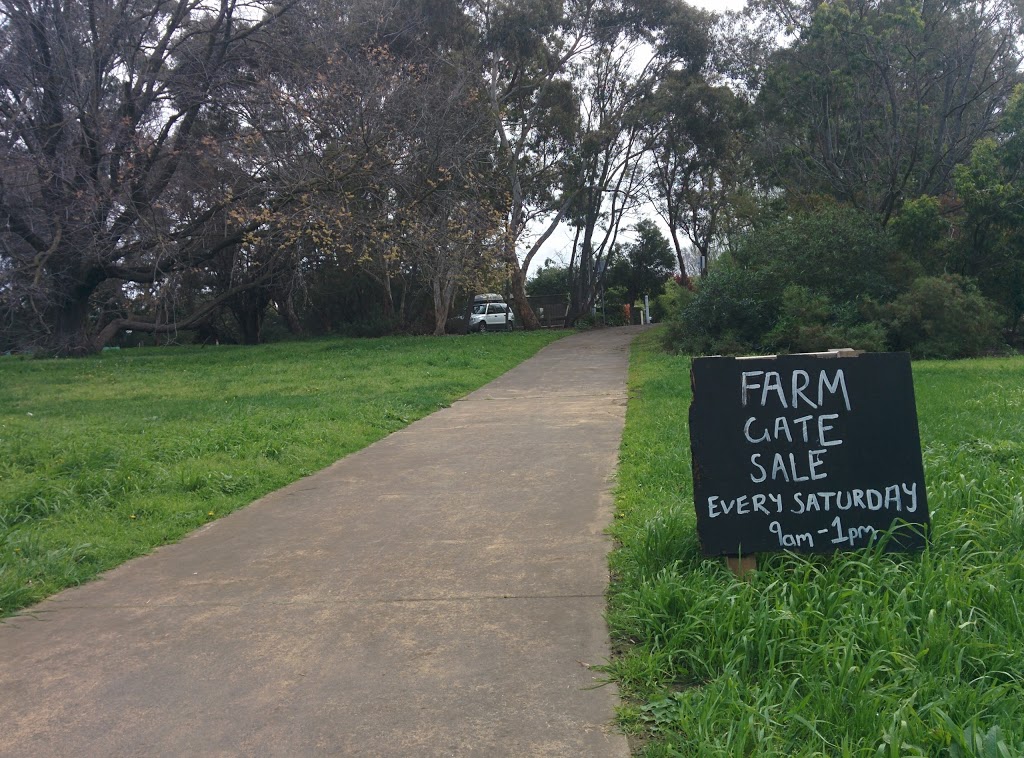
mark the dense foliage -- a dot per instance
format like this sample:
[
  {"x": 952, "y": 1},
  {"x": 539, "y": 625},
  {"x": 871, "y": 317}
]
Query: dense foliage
[
  {"x": 889, "y": 142},
  {"x": 232, "y": 171},
  {"x": 827, "y": 278}
]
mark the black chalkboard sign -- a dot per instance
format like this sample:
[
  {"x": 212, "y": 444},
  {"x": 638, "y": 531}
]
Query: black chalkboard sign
[{"x": 806, "y": 453}]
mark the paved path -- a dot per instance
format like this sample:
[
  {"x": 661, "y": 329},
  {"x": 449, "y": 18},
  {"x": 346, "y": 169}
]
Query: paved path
[{"x": 439, "y": 593}]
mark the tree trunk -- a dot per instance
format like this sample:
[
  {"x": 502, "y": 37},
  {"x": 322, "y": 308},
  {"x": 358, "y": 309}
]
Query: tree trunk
[
  {"x": 704, "y": 253},
  {"x": 683, "y": 276},
  {"x": 389, "y": 299},
  {"x": 250, "y": 322},
  {"x": 582, "y": 295},
  {"x": 249, "y": 309},
  {"x": 68, "y": 317},
  {"x": 442, "y": 301},
  {"x": 286, "y": 307},
  {"x": 70, "y": 328},
  {"x": 403, "y": 317},
  {"x": 524, "y": 310}
]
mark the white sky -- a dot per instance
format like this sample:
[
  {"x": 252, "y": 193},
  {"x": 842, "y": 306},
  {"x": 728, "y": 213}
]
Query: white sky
[{"x": 718, "y": 5}]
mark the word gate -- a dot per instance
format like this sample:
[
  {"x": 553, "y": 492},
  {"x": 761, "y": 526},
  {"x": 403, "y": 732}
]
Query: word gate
[{"x": 812, "y": 453}]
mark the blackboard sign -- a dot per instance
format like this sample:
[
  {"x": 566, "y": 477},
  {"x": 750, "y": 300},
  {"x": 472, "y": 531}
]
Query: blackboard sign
[{"x": 806, "y": 453}]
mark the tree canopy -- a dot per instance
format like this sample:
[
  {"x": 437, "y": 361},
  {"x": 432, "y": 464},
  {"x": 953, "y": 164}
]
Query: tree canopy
[{"x": 238, "y": 169}]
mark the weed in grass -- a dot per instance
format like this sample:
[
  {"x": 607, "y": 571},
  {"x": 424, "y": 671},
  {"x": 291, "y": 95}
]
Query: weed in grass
[
  {"x": 855, "y": 654},
  {"x": 104, "y": 458}
]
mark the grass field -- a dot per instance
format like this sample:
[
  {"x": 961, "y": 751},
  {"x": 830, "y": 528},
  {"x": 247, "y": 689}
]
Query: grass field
[
  {"x": 104, "y": 458},
  {"x": 856, "y": 654}
]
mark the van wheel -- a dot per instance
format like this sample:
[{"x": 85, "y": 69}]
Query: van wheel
[{"x": 508, "y": 326}]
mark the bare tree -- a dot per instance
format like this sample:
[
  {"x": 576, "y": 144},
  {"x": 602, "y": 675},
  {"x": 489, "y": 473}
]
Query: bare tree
[{"x": 101, "y": 105}]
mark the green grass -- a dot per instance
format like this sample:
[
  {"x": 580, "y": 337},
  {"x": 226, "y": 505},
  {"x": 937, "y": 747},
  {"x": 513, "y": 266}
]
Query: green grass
[
  {"x": 855, "y": 654},
  {"x": 104, "y": 458}
]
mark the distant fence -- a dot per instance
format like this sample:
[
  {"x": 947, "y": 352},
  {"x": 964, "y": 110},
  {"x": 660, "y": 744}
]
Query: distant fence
[{"x": 551, "y": 310}]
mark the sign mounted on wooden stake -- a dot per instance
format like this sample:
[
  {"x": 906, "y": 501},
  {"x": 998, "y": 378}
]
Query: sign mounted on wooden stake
[{"x": 812, "y": 453}]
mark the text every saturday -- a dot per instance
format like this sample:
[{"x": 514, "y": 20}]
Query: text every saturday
[{"x": 897, "y": 497}]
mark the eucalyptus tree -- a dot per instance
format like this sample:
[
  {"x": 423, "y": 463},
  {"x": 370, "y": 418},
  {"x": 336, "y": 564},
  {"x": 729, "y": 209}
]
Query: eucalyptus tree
[
  {"x": 102, "y": 107},
  {"x": 698, "y": 160},
  {"x": 606, "y": 174},
  {"x": 528, "y": 49},
  {"x": 637, "y": 47},
  {"x": 877, "y": 101}
]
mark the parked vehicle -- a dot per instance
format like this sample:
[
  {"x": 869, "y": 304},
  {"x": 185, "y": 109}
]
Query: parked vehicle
[{"x": 490, "y": 314}]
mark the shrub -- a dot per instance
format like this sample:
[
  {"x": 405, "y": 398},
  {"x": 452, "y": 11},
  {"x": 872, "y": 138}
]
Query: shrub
[
  {"x": 372, "y": 326},
  {"x": 670, "y": 302},
  {"x": 942, "y": 317},
  {"x": 835, "y": 251},
  {"x": 611, "y": 312},
  {"x": 729, "y": 312},
  {"x": 809, "y": 322},
  {"x": 796, "y": 284},
  {"x": 924, "y": 232}
]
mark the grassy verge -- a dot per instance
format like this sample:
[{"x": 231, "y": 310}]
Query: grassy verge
[
  {"x": 856, "y": 654},
  {"x": 103, "y": 459}
]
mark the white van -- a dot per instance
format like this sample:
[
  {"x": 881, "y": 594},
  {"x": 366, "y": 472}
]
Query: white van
[{"x": 491, "y": 314}]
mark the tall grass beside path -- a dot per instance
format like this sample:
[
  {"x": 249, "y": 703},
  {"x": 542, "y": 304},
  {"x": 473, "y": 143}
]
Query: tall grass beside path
[
  {"x": 104, "y": 458},
  {"x": 853, "y": 654}
]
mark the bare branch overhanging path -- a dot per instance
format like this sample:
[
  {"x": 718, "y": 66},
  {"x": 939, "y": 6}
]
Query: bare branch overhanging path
[{"x": 440, "y": 593}]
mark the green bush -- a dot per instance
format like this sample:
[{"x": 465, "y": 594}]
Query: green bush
[
  {"x": 809, "y": 322},
  {"x": 668, "y": 304},
  {"x": 372, "y": 326},
  {"x": 924, "y": 231},
  {"x": 943, "y": 317},
  {"x": 611, "y": 312},
  {"x": 839, "y": 252},
  {"x": 731, "y": 310},
  {"x": 550, "y": 279},
  {"x": 833, "y": 278},
  {"x": 614, "y": 315},
  {"x": 797, "y": 283}
]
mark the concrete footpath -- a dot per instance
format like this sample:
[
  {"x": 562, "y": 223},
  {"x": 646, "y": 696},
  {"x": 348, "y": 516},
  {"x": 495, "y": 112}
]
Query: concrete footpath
[{"x": 440, "y": 593}]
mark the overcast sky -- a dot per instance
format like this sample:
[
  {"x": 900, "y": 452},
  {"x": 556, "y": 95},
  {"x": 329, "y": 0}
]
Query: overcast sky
[{"x": 718, "y": 5}]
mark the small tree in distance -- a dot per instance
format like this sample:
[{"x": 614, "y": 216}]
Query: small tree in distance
[{"x": 644, "y": 264}]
